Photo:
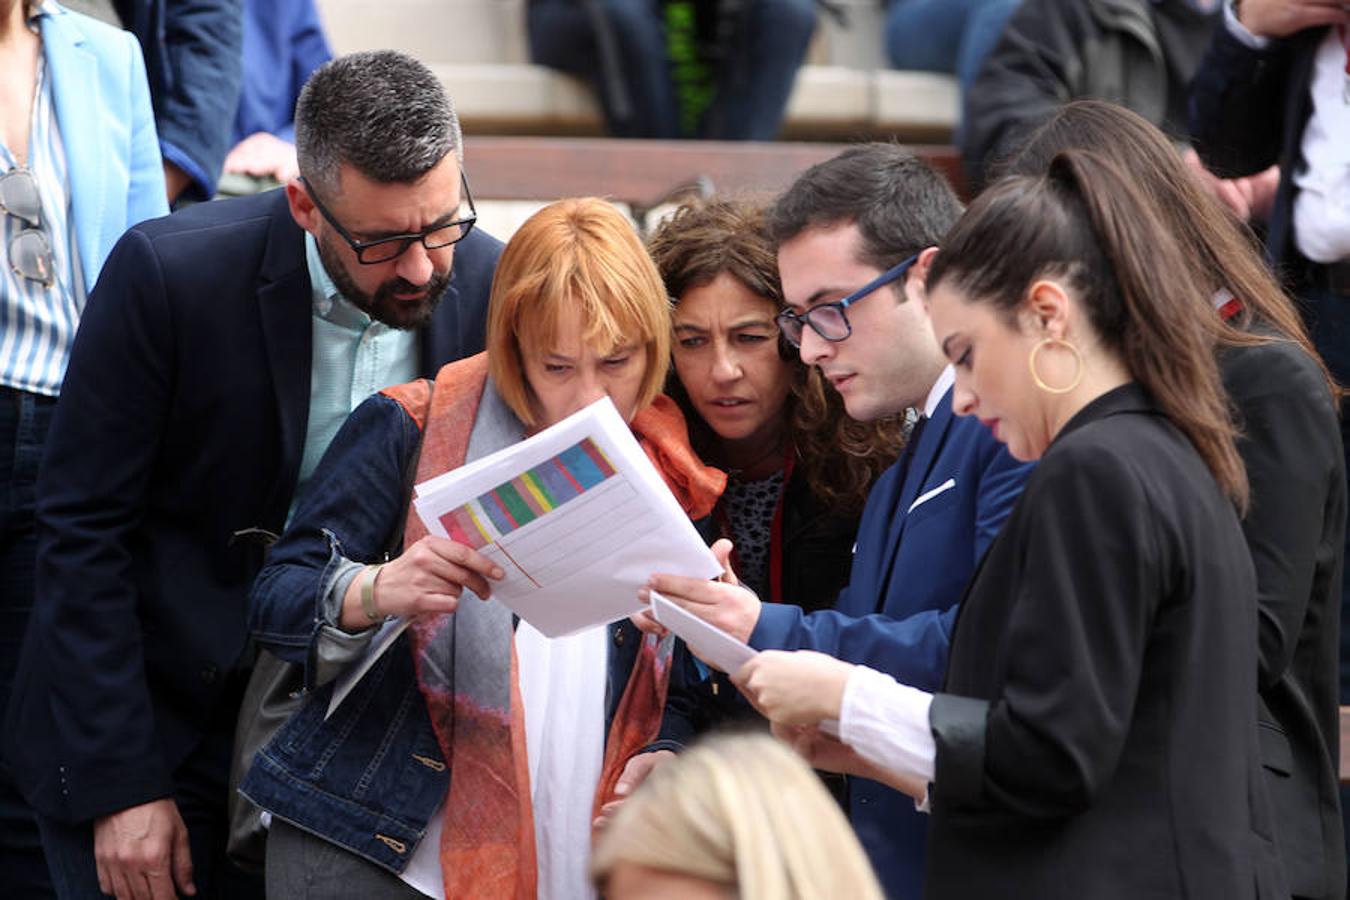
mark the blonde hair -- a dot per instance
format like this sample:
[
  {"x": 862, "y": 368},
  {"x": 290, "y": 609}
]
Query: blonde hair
[
  {"x": 741, "y": 811},
  {"x": 583, "y": 253}
]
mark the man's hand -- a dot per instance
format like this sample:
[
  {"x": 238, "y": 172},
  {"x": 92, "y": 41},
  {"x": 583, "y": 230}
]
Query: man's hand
[
  {"x": 724, "y": 603},
  {"x": 1249, "y": 198},
  {"x": 1281, "y": 18},
  {"x": 801, "y": 687},
  {"x": 142, "y": 852},
  {"x": 263, "y": 155},
  {"x": 634, "y": 773}
]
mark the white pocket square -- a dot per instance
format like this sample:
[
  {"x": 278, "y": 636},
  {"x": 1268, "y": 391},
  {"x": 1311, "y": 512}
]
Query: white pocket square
[{"x": 929, "y": 495}]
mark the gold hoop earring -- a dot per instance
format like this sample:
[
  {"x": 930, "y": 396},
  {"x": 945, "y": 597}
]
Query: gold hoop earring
[{"x": 1036, "y": 377}]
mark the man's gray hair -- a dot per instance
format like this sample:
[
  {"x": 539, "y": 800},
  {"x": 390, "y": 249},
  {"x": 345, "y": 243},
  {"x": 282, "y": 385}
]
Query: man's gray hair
[{"x": 381, "y": 112}]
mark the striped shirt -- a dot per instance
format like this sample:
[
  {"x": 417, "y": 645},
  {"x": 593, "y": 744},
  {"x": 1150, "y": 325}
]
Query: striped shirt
[{"x": 37, "y": 324}]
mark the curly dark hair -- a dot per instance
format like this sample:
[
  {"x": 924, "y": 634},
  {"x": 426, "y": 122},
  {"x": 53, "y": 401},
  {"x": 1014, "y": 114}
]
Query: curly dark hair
[{"x": 839, "y": 457}]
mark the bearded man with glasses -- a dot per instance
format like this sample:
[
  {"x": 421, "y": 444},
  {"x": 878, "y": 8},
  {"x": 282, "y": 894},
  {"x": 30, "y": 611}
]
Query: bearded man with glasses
[
  {"x": 219, "y": 354},
  {"x": 856, "y": 235}
]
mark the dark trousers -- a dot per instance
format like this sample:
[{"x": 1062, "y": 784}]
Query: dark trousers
[
  {"x": 201, "y": 786},
  {"x": 24, "y": 419},
  {"x": 753, "y": 85}
]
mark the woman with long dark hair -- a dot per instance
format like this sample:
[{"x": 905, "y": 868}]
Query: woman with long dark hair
[{"x": 1095, "y": 735}]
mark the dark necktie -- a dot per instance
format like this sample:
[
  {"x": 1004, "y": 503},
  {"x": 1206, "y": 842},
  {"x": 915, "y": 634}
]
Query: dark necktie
[{"x": 912, "y": 447}]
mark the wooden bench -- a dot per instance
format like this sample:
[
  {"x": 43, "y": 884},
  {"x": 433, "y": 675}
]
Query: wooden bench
[
  {"x": 643, "y": 173},
  {"x": 512, "y": 176}
]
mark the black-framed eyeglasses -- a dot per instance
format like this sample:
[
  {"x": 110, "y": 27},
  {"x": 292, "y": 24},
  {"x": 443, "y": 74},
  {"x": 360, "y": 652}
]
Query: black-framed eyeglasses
[
  {"x": 370, "y": 253},
  {"x": 829, "y": 319},
  {"x": 30, "y": 253}
]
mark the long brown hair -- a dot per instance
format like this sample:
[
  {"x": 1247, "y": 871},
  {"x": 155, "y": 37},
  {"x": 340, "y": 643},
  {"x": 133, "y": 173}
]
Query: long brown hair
[
  {"x": 1084, "y": 221},
  {"x": 839, "y": 457},
  {"x": 1224, "y": 251}
]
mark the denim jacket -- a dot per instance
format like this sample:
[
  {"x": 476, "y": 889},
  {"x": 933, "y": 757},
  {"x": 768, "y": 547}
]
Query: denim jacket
[{"x": 369, "y": 777}]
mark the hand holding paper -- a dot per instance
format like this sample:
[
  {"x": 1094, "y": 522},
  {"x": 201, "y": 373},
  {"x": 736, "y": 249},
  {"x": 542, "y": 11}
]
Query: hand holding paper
[
  {"x": 798, "y": 688},
  {"x": 576, "y": 517},
  {"x": 724, "y": 603},
  {"x": 709, "y": 643}
]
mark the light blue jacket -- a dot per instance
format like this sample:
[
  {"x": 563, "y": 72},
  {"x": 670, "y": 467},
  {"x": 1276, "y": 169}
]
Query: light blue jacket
[{"x": 108, "y": 128}]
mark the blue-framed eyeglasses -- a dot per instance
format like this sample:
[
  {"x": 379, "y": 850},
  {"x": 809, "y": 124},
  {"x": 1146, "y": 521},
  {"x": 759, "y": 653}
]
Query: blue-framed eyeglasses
[
  {"x": 829, "y": 319},
  {"x": 369, "y": 253}
]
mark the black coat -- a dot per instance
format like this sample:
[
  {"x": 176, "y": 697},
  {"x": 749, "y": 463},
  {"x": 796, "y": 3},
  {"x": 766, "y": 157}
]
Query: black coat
[
  {"x": 1295, "y": 530},
  {"x": 181, "y": 423},
  {"x": 1097, "y": 733}
]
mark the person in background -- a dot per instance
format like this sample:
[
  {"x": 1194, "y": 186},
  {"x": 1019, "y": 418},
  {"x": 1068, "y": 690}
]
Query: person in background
[
  {"x": 79, "y": 163},
  {"x": 720, "y": 70},
  {"x": 952, "y": 36},
  {"x": 193, "y": 57},
  {"x": 219, "y": 353},
  {"x": 1095, "y": 734},
  {"x": 734, "y": 816},
  {"x": 1286, "y": 407},
  {"x": 1138, "y": 53},
  {"x": 283, "y": 44},
  {"x": 423, "y": 780},
  {"x": 1273, "y": 88}
]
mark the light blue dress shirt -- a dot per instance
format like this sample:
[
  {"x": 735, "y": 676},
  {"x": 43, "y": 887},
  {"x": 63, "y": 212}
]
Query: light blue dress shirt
[{"x": 353, "y": 357}]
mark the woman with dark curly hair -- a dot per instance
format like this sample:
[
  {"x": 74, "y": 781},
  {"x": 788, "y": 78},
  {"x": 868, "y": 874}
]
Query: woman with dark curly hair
[{"x": 799, "y": 467}]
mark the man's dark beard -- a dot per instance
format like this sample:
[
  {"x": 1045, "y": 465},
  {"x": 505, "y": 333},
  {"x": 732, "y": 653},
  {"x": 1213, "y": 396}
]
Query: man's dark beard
[{"x": 383, "y": 306}]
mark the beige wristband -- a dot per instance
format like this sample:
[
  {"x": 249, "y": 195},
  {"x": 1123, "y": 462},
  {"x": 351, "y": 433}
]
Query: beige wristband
[{"x": 368, "y": 576}]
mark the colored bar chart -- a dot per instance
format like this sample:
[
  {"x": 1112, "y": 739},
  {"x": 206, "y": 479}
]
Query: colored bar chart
[{"x": 534, "y": 493}]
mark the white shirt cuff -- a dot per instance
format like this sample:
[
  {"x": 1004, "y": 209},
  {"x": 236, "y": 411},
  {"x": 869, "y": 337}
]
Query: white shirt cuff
[
  {"x": 1239, "y": 31},
  {"x": 887, "y": 724}
]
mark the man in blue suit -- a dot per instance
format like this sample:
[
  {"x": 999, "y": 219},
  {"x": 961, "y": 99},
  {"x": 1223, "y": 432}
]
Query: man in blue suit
[
  {"x": 218, "y": 355},
  {"x": 855, "y": 236}
]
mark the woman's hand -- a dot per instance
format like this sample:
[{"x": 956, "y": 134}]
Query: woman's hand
[
  {"x": 724, "y": 603},
  {"x": 831, "y": 755},
  {"x": 795, "y": 688},
  {"x": 426, "y": 579}
]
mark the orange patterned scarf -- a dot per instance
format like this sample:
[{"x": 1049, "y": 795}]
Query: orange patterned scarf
[{"x": 473, "y": 693}]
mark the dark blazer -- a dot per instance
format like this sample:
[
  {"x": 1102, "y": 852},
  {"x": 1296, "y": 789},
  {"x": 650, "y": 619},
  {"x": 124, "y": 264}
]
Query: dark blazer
[
  {"x": 193, "y": 60},
  {"x": 1247, "y": 112},
  {"x": 1096, "y": 735},
  {"x": 181, "y": 425},
  {"x": 1295, "y": 530},
  {"x": 918, "y": 545}
]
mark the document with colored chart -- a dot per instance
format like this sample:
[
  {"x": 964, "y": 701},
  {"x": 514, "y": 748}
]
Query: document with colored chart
[{"x": 578, "y": 518}]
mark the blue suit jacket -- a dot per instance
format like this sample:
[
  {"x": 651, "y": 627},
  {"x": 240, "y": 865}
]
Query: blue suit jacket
[
  {"x": 922, "y": 534},
  {"x": 108, "y": 130},
  {"x": 181, "y": 424}
]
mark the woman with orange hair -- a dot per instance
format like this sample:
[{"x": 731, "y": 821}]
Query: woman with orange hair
[{"x": 470, "y": 761}]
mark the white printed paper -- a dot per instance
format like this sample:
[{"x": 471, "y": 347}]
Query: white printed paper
[
  {"x": 708, "y": 642},
  {"x": 578, "y": 518}
]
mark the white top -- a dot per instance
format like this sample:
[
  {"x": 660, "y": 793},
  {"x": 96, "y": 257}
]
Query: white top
[
  {"x": 940, "y": 388},
  {"x": 887, "y": 724},
  {"x": 1322, "y": 203},
  {"x": 562, "y": 684}
]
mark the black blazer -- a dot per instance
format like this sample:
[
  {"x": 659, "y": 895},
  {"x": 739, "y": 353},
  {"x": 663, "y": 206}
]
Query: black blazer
[
  {"x": 1295, "y": 530},
  {"x": 1248, "y": 109},
  {"x": 1097, "y": 732},
  {"x": 181, "y": 423}
]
